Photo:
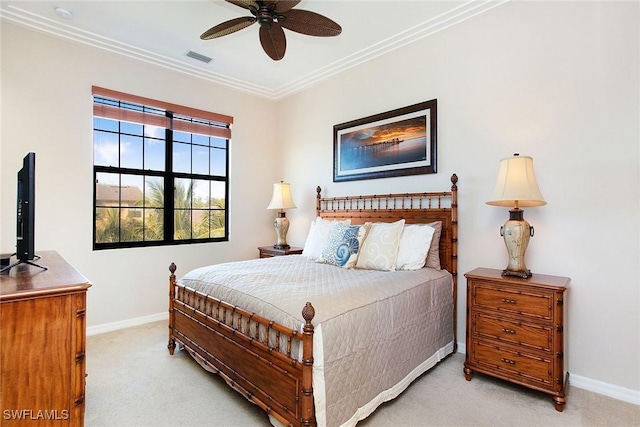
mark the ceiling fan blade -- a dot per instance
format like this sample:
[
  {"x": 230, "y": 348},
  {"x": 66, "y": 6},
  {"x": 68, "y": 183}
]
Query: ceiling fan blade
[
  {"x": 273, "y": 41},
  {"x": 227, "y": 27},
  {"x": 281, "y": 6},
  {"x": 245, "y": 4},
  {"x": 310, "y": 23}
]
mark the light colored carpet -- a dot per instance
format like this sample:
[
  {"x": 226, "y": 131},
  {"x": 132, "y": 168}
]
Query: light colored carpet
[{"x": 133, "y": 382}]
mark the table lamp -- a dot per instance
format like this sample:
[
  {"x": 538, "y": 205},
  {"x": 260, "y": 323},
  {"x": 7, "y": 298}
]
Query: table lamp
[
  {"x": 281, "y": 199},
  {"x": 516, "y": 186}
]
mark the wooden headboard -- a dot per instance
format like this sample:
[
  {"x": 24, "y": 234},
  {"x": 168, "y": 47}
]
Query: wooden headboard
[{"x": 415, "y": 208}]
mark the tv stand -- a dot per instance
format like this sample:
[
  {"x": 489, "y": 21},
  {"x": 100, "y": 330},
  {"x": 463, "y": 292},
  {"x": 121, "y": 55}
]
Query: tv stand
[{"x": 10, "y": 266}]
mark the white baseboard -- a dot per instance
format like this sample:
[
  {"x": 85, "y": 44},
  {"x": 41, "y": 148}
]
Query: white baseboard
[
  {"x": 123, "y": 324},
  {"x": 610, "y": 390},
  {"x": 462, "y": 348},
  {"x": 595, "y": 386}
]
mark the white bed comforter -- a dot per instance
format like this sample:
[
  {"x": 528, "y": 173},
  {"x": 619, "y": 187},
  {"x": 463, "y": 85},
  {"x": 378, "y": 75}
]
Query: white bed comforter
[{"x": 375, "y": 332}]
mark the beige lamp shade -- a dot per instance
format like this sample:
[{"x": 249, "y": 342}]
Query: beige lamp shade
[
  {"x": 516, "y": 184},
  {"x": 281, "y": 198}
]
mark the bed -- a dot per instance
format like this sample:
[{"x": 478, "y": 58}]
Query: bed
[{"x": 312, "y": 342}]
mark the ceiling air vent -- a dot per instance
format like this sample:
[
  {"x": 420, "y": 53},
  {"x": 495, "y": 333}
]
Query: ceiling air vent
[{"x": 198, "y": 56}]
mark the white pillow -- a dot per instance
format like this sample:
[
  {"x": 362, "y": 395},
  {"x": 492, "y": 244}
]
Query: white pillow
[
  {"x": 414, "y": 245},
  {"x": 380, "y": 248},
  {"x": 318, "y": 236}
]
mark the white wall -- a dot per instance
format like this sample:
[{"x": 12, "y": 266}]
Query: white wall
[
  {"x": 47, "y": 108},
  {"x": 556, "y": 81}
]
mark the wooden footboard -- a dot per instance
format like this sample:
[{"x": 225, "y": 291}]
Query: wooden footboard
[{"x": 269, "y": 364}]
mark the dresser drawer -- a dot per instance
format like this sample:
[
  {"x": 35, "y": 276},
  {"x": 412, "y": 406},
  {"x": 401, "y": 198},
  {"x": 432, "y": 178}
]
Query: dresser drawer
[
  {"x": 513, "y": 300},
  {"x": 526, "y": 334},
  {"x": 521, "y": 366}
]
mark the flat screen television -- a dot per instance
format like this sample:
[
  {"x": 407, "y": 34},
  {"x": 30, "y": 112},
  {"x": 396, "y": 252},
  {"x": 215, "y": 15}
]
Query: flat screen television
[{"x": 25, "y": 213}]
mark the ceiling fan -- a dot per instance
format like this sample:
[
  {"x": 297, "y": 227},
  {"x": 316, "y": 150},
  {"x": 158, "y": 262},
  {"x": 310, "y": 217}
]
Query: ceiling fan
[{"x": 273, "y": 16}]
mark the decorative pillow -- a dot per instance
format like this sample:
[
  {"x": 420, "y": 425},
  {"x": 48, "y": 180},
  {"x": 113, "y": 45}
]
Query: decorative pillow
[
  {"x": 318, "y": 236},
  {"x": 380, "y": 248},
  {"x": 433, "y": 257},
  {"x": 415, "y": 241},
  {"x": 344, "y": 245}
]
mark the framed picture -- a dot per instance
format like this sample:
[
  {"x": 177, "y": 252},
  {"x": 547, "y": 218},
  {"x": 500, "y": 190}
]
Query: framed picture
[{"x": 395, "y": 143}]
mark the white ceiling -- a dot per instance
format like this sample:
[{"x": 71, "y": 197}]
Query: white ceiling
[{"x": 162, "y": 32}]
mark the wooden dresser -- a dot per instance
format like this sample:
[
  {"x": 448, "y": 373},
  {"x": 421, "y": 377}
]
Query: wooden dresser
[
  {"x": 42, "y": 344},
  {"x": 516, "y": 331}
]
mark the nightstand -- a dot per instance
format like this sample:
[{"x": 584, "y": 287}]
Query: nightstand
[
  {"x": 515, "y": 330},
  {"x": 269, "y": 251}
]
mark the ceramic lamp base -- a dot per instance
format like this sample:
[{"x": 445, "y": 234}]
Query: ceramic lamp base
[
  {"x": 517, "y": 233},
  {"x": 281, "y": 225}
]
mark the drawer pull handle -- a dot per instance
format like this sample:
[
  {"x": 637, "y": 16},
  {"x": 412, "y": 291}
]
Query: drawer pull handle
[
  {"x": 509, "y": 361},
  {"x": 508, "y": 301},
  {"x": 509, "y": 331}
]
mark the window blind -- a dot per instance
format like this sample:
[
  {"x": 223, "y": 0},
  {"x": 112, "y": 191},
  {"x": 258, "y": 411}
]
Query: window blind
[{"x": 134, "y": 109}]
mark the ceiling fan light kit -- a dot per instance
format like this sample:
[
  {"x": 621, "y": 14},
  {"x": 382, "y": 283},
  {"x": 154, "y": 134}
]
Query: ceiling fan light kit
[{"x": 273, "y": 16}]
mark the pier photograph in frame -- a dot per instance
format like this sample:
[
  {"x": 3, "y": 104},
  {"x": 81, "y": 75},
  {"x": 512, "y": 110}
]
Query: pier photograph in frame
[{"x": 395, "y": 143}]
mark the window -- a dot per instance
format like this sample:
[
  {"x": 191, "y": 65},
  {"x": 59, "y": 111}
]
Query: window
[{"x": 160, "y": 172}]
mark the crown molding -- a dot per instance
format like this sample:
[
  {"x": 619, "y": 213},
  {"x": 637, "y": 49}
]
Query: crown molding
[
  {"x": 461, "y": 13},
  {"x": 427, "y": 28},
  {"x": 18, "y": 16}
]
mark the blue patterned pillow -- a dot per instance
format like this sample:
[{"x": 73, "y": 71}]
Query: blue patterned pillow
[{"x": 344, "y": 244}]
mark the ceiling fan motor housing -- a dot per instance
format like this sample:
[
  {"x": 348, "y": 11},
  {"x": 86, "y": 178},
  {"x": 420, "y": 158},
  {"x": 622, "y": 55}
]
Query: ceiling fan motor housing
[{"x": 265, "y": 16}]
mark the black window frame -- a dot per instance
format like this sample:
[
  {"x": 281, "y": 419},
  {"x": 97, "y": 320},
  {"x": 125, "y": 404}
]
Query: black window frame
[{"x": 168, "y": 175}]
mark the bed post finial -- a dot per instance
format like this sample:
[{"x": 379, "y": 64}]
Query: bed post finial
[
  {"x": 308, "y": 312},
  {"x": 318, "y": 190}
]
